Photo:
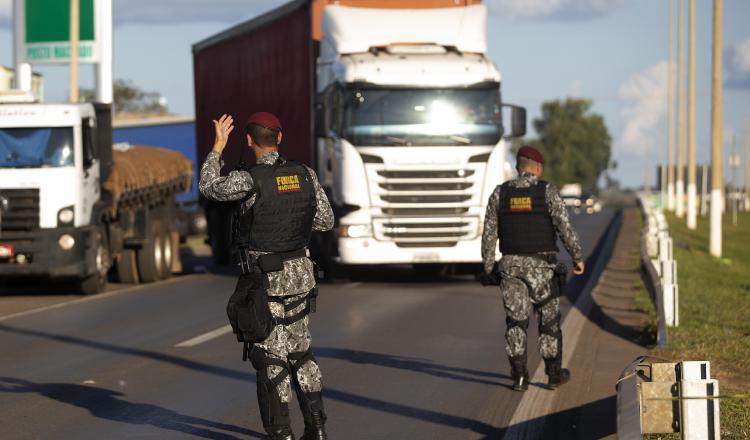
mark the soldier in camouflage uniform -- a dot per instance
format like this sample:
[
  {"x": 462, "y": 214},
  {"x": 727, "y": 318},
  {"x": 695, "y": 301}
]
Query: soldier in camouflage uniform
[
  {"x": 525, "y": 214},
  {"x": 284, "y": 356}
]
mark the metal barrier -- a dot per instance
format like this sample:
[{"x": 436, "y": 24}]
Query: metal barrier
[
  {"x": 658, "y": 267},
  {"x": 667, "y": 397}
]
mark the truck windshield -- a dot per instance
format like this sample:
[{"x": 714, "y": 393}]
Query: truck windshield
[
  {"x": 36, "y": 147},
  {"x": 423, "y": 117}
]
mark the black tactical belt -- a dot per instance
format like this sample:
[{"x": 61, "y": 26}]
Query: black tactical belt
[
  {"x": 547, "y": 258},
  {"x": 266, "y": 263}
]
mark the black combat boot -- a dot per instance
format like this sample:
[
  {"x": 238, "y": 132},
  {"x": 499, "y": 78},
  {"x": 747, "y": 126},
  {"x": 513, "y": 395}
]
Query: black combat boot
[
  {"x": 556, "y": 375},
  {"x": 279, "y": 433},
  {"x": 315, "y": 427},
  {"x": 520, "y": 373}
]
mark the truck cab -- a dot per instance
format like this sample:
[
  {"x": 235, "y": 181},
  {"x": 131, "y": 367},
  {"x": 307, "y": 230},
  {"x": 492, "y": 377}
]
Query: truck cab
[
  {"x": 50, "y": 172},
  {"x": 411, "y": 141}
]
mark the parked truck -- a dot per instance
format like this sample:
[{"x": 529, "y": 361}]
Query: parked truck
[
  {"x": 72, "y": 207},
  {"x": 394, "y": 104}
]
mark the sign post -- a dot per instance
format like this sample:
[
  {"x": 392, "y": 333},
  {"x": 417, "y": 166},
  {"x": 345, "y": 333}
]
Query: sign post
[{"x": 42, "y": 36}]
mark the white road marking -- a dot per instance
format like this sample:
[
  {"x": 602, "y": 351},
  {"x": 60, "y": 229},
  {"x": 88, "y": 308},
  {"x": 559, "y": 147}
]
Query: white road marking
[
  {"x": 92, "y": 298},
  {"x": 528, "y": 419},
  {"x": 213, "y": 334}
]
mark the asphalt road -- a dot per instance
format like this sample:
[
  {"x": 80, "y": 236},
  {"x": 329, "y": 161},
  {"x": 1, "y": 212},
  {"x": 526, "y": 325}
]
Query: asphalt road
[{"x": 401, "y": 359}]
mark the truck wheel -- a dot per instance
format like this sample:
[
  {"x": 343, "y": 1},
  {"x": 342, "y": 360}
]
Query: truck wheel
[
  {"x": 97, "y": 282},
  {"x": 150, "y": 256},
  {"x": 127, "y": 267},
  {"x": 167, "y": 253}
]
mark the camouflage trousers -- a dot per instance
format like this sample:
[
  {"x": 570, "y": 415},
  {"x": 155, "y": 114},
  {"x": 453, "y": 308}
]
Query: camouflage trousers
[
  {"x": 525, "y": 289},
  {"x": 286, "y": 340}
]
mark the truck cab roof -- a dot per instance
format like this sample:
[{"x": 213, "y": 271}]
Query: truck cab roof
[{"x": 450, "y": 69}]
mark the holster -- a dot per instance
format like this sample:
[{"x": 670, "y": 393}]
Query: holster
[
  {"x": 560, "y": 278},
  {"x": 248, "y": 310}
]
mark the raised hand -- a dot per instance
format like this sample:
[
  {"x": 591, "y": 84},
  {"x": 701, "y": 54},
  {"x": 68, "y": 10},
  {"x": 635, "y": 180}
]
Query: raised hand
[{"x": 223, "y": 127}]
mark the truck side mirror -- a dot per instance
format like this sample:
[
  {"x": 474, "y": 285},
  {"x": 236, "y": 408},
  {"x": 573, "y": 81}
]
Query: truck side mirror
[{"x": 518, "y": 121}]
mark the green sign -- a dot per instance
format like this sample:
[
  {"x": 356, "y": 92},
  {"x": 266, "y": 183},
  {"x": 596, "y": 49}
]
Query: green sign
[{"x": 47, "y": 31}]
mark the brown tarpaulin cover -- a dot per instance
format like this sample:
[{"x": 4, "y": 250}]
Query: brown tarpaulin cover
[{"x": 140, "y": 167}]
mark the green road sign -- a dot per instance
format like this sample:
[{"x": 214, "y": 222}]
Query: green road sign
[{"x": 47, "y": 31}]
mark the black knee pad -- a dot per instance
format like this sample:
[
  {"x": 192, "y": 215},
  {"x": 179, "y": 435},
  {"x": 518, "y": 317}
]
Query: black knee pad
[
  {"x": 511, "y": 323},
  {"x": 273, "y": 412}
]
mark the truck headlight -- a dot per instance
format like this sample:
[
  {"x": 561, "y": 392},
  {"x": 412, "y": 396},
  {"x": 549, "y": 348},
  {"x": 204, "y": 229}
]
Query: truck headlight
[
  {"x": 65, "y": 216},
  {"x": 355, "y": 231},
  {"x": 66, "y": 242}
]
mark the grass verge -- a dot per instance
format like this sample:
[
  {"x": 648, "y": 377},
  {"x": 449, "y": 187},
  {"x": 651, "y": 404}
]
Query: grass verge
[{"x": 714, "y": 300}]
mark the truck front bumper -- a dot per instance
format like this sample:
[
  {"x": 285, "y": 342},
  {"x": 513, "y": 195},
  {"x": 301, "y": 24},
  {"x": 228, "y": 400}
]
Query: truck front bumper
[
  {"x": 43, "y": 257},
  {"x": 371, "y": 251}
]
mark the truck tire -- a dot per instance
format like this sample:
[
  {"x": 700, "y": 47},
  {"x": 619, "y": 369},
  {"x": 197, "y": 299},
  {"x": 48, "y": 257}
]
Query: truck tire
[
  {"x": 167, "y": 253},
  {"x": 150, "y": 256},
  {"x": 127, "y": 267},
  {"x": 97, "y": 282}
]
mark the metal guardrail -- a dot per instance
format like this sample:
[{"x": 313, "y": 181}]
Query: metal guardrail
[{"x": 658, "y": 267}]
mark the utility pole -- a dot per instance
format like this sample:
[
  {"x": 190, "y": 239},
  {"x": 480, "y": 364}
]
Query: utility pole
[
  {"x": 646, "y": 171},
  {"x": 74, "y": 33},
  {"x": 717, "y": 126},
  {"x": 704, "y": 191},
  {"x": 670, "y": 112},
  {"x": 692, "y": 214},
  {"x": 680, "y": 117},
  {"x": 734, "y": 162},
  {"x": 747, "y": 167}
]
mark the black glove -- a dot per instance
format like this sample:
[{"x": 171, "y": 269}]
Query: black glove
[{"x": 489, "y": 279}]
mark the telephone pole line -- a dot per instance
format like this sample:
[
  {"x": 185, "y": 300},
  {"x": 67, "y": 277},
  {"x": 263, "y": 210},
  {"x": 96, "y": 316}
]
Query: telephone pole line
[
  {"x": 670, "y": 112},
  {"x": 692, "y": 206},
  {"x": 74, "y": 30},
  {"x": 717, "y": 135},
  {"x": 680, "y": 117}
]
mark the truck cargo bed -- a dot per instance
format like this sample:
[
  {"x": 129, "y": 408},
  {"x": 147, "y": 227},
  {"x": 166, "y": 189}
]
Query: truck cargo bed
[{"x": 143, "y": 174}]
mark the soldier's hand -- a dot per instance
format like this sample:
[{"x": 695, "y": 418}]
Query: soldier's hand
[
  {"x": 223, "y": 127},
  {"x": 579, "y": 269}
]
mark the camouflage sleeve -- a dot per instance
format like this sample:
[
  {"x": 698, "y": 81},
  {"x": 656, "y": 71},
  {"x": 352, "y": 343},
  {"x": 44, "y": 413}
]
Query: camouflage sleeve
[
  {"x": 560, "y": 219},
  {"x": 490, "y": 232},
  {"x": 220, "y": 188},
  {"x": 323, "y": 220}
]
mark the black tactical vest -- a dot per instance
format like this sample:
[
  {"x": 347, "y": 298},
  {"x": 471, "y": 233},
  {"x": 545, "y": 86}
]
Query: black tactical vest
[
  {"x": 525, "y": 225},
  {"x": 281, "y": 218}
]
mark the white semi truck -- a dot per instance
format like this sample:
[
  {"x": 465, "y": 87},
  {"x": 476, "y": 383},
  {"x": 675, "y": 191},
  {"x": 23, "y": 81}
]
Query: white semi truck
[
  {"x": 407, "y": 133},
  {"x": 71, "y": 207}
]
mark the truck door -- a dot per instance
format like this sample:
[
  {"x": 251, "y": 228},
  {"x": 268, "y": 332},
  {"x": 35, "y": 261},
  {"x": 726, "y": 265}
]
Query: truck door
[
  {"x": 90, "y": 183},
  {"x": 331, "y": 155}
]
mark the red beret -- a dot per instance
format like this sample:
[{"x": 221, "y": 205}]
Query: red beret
[
  {"x": 531, "y": 153},
  {"x": 265, "y": 119}
]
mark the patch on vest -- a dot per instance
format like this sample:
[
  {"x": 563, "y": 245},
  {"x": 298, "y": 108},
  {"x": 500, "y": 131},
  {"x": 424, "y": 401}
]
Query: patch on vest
[
  {"x": 286, "y": 184},
  {"x": 518, "y": 204}
]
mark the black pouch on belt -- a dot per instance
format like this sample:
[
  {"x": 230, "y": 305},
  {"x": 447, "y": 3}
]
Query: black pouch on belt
[
  {"x": 248, "y": 310},
  {"x": 270, "y": 263}
]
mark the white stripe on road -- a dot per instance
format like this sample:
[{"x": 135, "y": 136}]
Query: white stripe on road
[
  {"x": 94, "y": 297},
  {"x": 213, "y": 334}
]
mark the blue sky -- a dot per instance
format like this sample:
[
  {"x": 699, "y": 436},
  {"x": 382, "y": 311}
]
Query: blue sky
[{"x": 611, "y": 51}]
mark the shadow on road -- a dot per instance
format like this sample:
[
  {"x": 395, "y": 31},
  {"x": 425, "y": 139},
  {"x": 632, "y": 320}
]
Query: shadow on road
[
  {"x": 418, "y": 365},
  {"x": 107, "y": 404}
]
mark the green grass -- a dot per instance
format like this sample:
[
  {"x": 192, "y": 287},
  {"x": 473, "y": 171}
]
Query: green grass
[{"x": 714, "y": 300}]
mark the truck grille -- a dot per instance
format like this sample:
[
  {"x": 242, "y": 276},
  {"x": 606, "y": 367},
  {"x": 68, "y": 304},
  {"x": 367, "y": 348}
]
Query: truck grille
[
  {"x": 23, "y": 210},
  {"x": 425, "y": 208}
]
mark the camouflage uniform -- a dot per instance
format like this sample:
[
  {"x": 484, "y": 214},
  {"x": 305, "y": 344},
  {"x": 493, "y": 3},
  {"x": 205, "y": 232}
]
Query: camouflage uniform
[
  {"x": 526, "y": 280},
  {"x": 292, "y": 283}
]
